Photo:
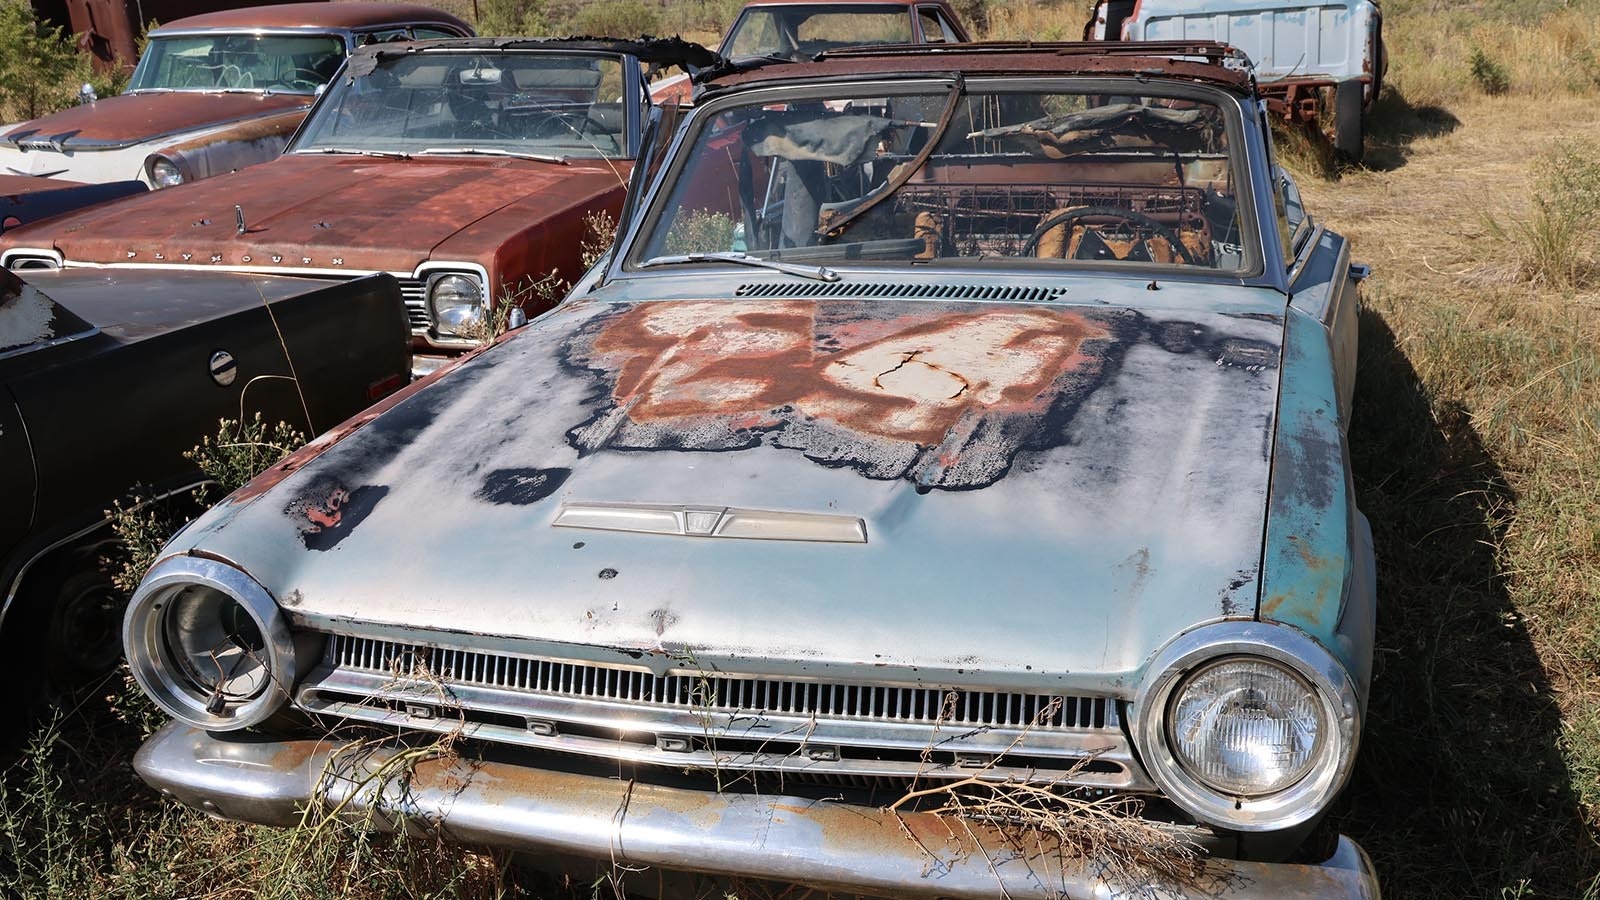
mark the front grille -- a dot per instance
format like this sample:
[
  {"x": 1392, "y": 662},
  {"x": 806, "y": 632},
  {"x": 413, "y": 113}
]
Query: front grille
[
  {"x": 900, "y": 290},
  {"x": 414, "y": 292},
  {"x": 850, "y": 735},
  {"x": 715, "y": 692}
]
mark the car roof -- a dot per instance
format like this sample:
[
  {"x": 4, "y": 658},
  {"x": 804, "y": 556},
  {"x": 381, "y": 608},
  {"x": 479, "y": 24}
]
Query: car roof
[
  {"x": 1209, "y": 62},
  {"x": 666, "y": 51},
  {"x": 315, "y": 15}
]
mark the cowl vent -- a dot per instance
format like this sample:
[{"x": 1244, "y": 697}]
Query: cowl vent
[{"x": 899, "y": 290}]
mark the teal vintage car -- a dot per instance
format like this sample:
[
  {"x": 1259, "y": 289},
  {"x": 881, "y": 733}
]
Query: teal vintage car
[{"x": 940, "y": 489}]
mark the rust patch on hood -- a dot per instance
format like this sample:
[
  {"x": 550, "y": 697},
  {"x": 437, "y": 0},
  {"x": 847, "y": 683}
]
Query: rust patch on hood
[
  {"x": 947, "y": 400},
  {"x": 131, "y": 118}
]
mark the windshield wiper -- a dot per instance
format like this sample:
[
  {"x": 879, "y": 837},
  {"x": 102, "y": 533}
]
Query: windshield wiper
[
  {"x": 351, "y": 151},
  {"x": 818, "y": 273},
  {"x": 490, "y": 151}
]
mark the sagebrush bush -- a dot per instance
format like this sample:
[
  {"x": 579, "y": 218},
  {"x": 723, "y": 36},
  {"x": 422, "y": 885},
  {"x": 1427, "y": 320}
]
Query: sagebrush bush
[
  {"x": 1490, "y": 75},
  {"x": 618, "y": 18},
  {"x": 1557, "y": 243}
]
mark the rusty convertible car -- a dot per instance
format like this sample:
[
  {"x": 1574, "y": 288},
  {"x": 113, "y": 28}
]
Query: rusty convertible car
[
  {"x": 468, "y": 169},
  {"x": 212, "y": 93},
  {"x": 105, "y": 382},
  {"x": 941, "y": 490}
]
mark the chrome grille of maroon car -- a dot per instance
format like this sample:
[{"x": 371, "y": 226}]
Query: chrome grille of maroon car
[
  {"x": 414, "y": 292},
  {"x": 830, "y": 732}
]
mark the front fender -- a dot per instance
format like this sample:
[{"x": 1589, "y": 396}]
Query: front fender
[{"x": 229, "y": 148}]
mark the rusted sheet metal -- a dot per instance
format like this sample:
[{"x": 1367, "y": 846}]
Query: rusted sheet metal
[
  {"x": 1087, "y": 58},
  {"x": 132, "y": 119},
  {"x": 818, "y": 843},
  {"x": 234, "y": 147},
  {"x": 331, "y": 15},
  {"x": 327, "y": 213},
  {"x": 1120, "y": 455},
  {"x": 110, "y": 29}
]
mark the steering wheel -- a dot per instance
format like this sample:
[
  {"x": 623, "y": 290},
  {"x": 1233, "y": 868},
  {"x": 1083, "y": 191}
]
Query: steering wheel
[
  {"x": 1066, "y": 216},
  {"x": 300, "y": 75}
]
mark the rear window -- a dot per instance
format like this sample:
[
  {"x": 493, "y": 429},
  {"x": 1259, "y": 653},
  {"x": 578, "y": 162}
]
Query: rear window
[{"x": 28, "y": 317}]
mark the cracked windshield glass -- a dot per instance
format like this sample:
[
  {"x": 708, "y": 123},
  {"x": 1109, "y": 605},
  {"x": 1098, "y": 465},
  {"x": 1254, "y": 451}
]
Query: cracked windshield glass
[
  {"x": 522, "y": 104},
  {"x": 941, "y": 175}
]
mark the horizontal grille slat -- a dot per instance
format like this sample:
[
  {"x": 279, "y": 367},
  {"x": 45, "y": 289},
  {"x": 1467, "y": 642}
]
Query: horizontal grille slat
[
  {"x": 413, "y": 292},
  {"x": 899, "y": 290},
  {"x": 927, "y": 705}
]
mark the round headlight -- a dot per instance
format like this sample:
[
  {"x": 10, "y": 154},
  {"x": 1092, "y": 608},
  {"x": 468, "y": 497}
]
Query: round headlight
[
  {"x": 208, "y": 644},
  {"x": 164, "y": 173},
  {"x": 456, "y": 302},
  {"x": 1246, "y": 727}
]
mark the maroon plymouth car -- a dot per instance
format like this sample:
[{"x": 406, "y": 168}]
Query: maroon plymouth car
[
  {"x": 212, "y": 93},
  {"x": 472, "y": 170}
]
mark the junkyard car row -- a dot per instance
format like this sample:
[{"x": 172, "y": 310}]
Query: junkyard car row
[
  {"x": 941, "y": 428},
  {"x": 212, "y": 93}
]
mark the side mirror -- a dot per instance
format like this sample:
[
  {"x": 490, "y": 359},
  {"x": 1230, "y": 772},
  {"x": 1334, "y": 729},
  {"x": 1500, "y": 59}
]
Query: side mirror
[
  {"x": 86, "y": 94},
  {"x": 516, "y": 318}
]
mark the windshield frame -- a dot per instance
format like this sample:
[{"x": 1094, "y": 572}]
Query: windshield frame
[
  {"x": 340, "y": 35},
  {"x": 632, "y": 246},
  {"x": 633, "y": 83}
]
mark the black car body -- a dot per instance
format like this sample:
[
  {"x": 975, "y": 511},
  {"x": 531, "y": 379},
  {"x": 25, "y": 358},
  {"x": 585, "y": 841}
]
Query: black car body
[{"x": 107, "y": 378}]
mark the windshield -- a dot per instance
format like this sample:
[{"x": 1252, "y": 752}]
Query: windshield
[
  {"x": 516, "y": 103},
  {"x": 938, "y": 174},
  {"x": 238, "y": 62},
  {"x": 802, "y": 31}
]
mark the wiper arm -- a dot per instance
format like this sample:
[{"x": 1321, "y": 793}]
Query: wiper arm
[
  {"x": 490, "y": 151},
  {"x": 351, "y": 151},
  {"x": 816, "y": 273}
]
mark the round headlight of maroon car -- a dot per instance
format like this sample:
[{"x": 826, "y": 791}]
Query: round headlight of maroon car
[
  {"x": 163, "y": 172},
  {"x": 456, "y": 305},
  {"x": 208, "y": 644},
  {"x": 1246, "y": 727}
]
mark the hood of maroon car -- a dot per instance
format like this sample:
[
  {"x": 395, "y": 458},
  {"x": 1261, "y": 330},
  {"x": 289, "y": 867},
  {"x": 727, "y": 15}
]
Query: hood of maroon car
[
  {"x": 324, "y": 212},
  {"x": 134, "y": 118}
]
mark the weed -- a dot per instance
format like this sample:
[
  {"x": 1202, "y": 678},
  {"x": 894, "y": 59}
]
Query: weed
[
  {"x": 1491, "y": 77},
  {"x": 618, "y": 18},
  {"x": 1556, "y": 244}
]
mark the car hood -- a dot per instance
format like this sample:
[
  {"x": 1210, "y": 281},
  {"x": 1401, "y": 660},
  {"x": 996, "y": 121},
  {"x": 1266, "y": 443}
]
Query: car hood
[
  {"x": 117, "y": 122},
  {"x": 322, "y": 212},
  {"x": 1046, "y": 491}
]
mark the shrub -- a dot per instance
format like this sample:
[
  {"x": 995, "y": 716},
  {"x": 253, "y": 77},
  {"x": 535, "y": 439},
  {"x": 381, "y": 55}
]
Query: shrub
[
  {"x": 699, "y": 231},
  {"x": 1557, "y": 244},
  {"x": 513, "y": 18},
  {"x": 39, "y": 69},
  {"x": 617, "y": 18},
  {"x": 1490, "y": 75}
]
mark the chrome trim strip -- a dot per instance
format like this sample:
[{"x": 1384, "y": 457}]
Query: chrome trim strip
[{"x": 713, "y": 522}]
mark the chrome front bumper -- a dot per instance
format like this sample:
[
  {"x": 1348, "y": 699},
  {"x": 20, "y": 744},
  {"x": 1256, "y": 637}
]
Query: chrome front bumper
[{"x": 817, "y": 843}]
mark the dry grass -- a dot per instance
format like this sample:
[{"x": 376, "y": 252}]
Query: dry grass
[{"x": 1477, "y": 448}]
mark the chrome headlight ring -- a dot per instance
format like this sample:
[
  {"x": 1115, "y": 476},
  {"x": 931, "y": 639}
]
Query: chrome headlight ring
[
  {"x": 456, "y": 303},
  {"x": 209, "y": 645},
  {"x": 163, "y": 172},
  {"x": 1303, "y": 660}
]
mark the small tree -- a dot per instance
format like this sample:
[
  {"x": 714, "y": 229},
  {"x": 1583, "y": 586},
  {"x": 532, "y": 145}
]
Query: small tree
[{"x": 39, "y": 67}]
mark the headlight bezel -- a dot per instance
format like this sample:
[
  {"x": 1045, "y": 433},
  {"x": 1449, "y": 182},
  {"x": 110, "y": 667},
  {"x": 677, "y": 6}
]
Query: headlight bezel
[
  {"x": 158, "y": 182},
  {"x": 146, "y": 633},
  {"x": 1335, "y": 691},
  {"x": 450, "y": 331}
]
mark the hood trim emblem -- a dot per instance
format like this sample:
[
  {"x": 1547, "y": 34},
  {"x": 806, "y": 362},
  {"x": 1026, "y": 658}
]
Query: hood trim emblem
[{"x": 713, "y": 522}]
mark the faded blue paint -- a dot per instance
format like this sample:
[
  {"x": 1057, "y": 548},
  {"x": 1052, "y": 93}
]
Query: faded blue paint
[
  {"x": 1308, "y": 561},
  {"x": 1303, "y": 39}
]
